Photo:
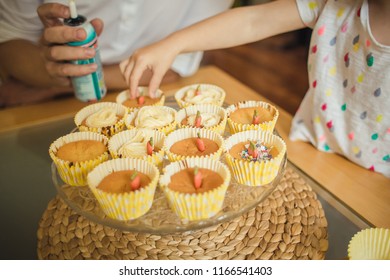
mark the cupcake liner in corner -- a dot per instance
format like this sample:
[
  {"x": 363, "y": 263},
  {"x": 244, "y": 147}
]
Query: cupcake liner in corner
[
  {"x": 238, "y": 127},
  {"x": 255, "y": 173},
  {"x": 124, "y": 95},
  {"x": 196, "y": 206},
  {"x": 129, "y": 205},
  {"x": 130, "y": 120},
  {"x": 75, "y": 173},
  {"x": 370, "y": 244},
  {"x": 203, "y": 108},
  {"x": 108, "y": 130},
  {"x": 118, "y": 140},
  {"x": 184, "y": 133},
  {"x": 180, "y": 94}
]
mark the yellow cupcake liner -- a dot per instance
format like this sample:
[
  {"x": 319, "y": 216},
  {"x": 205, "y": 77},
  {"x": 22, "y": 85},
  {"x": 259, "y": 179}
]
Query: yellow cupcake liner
[
  {"x": 196, "y": 206},
  {"x": 131, "y": 117},
  {"x": 191, "y": 132},
  {"x": 75, "y": 173},
  {"x": 118, "y": 140},
  {"x": 179, "y": 95},
  {"x": 370, "y": 244},
  {"x": 108, "y": 130},
  {"x": 124, "y": 95},
  {"x": 203, "y": 108},
  {"x": 238, "y": 127},
  {"x": 255, "y": 173},
  {"x": 124, "y": 206}
]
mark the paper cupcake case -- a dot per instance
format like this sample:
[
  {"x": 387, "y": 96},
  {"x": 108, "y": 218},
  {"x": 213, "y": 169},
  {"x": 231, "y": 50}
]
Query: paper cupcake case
[
  {"x": 203, "y": 108},
  {"x": 370, "y": 244},
  {"x": 196, "y": 206},
  {"x": 107, "y": 131},
  {"x": 124, "y": 206},
  {"x": 124, "y": 95},
  {"x": 238, "y": 127},
  {"x": 255, "y": 173},
  {"x": 118, "y": 140},
  {"x": 184, "y": 133},
  {"x": 179, "y": 95},
  {"x": 130, "y": 120},
  {"x": 75, "y": 173}
]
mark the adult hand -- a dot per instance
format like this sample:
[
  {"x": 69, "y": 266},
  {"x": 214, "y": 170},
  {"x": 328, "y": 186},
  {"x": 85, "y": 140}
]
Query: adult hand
[
  {"x": 156, "y": 58},
  {"x": 54, "y": 38}
]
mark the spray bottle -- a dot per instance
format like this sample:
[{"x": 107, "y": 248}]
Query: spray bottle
[{"x": 90, "y": 87}]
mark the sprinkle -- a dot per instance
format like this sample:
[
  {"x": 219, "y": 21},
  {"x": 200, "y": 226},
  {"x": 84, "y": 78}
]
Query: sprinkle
[{"x": 262, "y": 149}]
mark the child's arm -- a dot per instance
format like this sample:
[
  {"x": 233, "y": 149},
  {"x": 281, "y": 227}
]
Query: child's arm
[{"x": 234, "y": 27}]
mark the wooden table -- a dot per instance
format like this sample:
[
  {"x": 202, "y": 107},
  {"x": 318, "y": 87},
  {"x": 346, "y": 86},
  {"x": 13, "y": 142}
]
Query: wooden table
[{"x": 365, "y": 192}]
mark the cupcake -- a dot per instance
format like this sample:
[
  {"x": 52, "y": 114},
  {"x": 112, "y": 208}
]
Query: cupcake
[
  {"x": 207, "y": 116},
  {"x": 78, "y": 153},
  {"x": 143, "y": 99},
  {"x": 195, "y": 187},
  {"x": 370, "y": 244},
  {"x": 146, "y": 144},
  {"x": 200, "y": 94},
  {"x": 254, "y": 156},
  {"x": 106, "y": 118},
  {"x": 252, "y": 115},
  {"x": 161, "y": 118},
  {"x": 193, "y": 142},
  {"x": 124, "y": 188}
]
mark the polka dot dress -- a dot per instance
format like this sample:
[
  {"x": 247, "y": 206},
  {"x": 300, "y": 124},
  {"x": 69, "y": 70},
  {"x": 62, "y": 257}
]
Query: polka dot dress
[{"x": 347, "y": 107}]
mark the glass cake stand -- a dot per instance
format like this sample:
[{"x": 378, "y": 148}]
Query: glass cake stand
[{"x": 160, "y": 219}]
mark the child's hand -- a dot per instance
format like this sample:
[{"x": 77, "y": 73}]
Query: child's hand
[{"x": 157, "y": 58}]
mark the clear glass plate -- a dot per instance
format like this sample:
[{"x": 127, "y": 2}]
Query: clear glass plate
[{"x": 160, "y": 219}]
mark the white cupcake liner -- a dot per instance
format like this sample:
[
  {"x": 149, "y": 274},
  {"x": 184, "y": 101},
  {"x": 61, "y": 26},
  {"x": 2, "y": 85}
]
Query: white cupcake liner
[
  {"x": 75, "y": 173},
  {"x": 255, "y": 173},
  {"x": 131, "y": 117},
  {"x": 190, "y": 132},
  {"x": 238, "y": 127},
  {"x": 179, "y": 95},
  {"x": 108, "y": 130},
  {"x": 196, "y": 206},
  {"x": 203, "y": 108},
  {"x": 124, "y": 95},
  {"x": 370, "y": 244},
  {"x": 129, "y": 205},
  {"x": 121, "y": 138}
]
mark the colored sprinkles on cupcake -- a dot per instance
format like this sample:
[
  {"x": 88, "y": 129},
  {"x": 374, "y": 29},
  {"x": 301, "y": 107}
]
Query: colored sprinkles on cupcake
[{"x": 256, "y": 151}]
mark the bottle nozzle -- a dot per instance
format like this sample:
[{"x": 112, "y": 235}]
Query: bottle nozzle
[{"x": 73, "y": 10}]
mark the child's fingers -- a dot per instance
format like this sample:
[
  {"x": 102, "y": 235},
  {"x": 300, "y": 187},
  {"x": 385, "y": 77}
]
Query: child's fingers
[
  {"x": 134, "y": 72},
  {"x": 155, "y": 81}
]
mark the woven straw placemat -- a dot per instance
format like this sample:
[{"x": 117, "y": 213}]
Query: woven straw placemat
[{"x": 289, "y": 224}]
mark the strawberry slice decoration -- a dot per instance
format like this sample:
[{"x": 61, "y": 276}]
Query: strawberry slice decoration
[
  {"x": 197, "y": 178},
  {"x": 135, "y": 181},
  {"x": 252, "y": 151},
  {"x": 200, "y": 144},
  {"x": 256, "y": 118},
  {"x": 150, "y": 146},
  {"x": 197, "y": 91},
  {"x": 198, "y": 120}
]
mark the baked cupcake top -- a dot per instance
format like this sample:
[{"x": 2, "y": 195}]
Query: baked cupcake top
[
  {"x": 140, "y": 145},
  {"x": 153, "y": 117},
  {"x": 81, "y": 150},
  {"x": 252, "y": 115},
  {"x": 142, "y": 99},
  {"x": 202, "y": 95},
  {"x": 194, "y": 146},
  {"x": 124, "y": 181},
  {"x": 186, "y": 181},
  {"x": 253, "y": 151}
]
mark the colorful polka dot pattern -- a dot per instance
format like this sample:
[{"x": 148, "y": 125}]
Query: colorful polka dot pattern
[{"x": 347, "y": 107}]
